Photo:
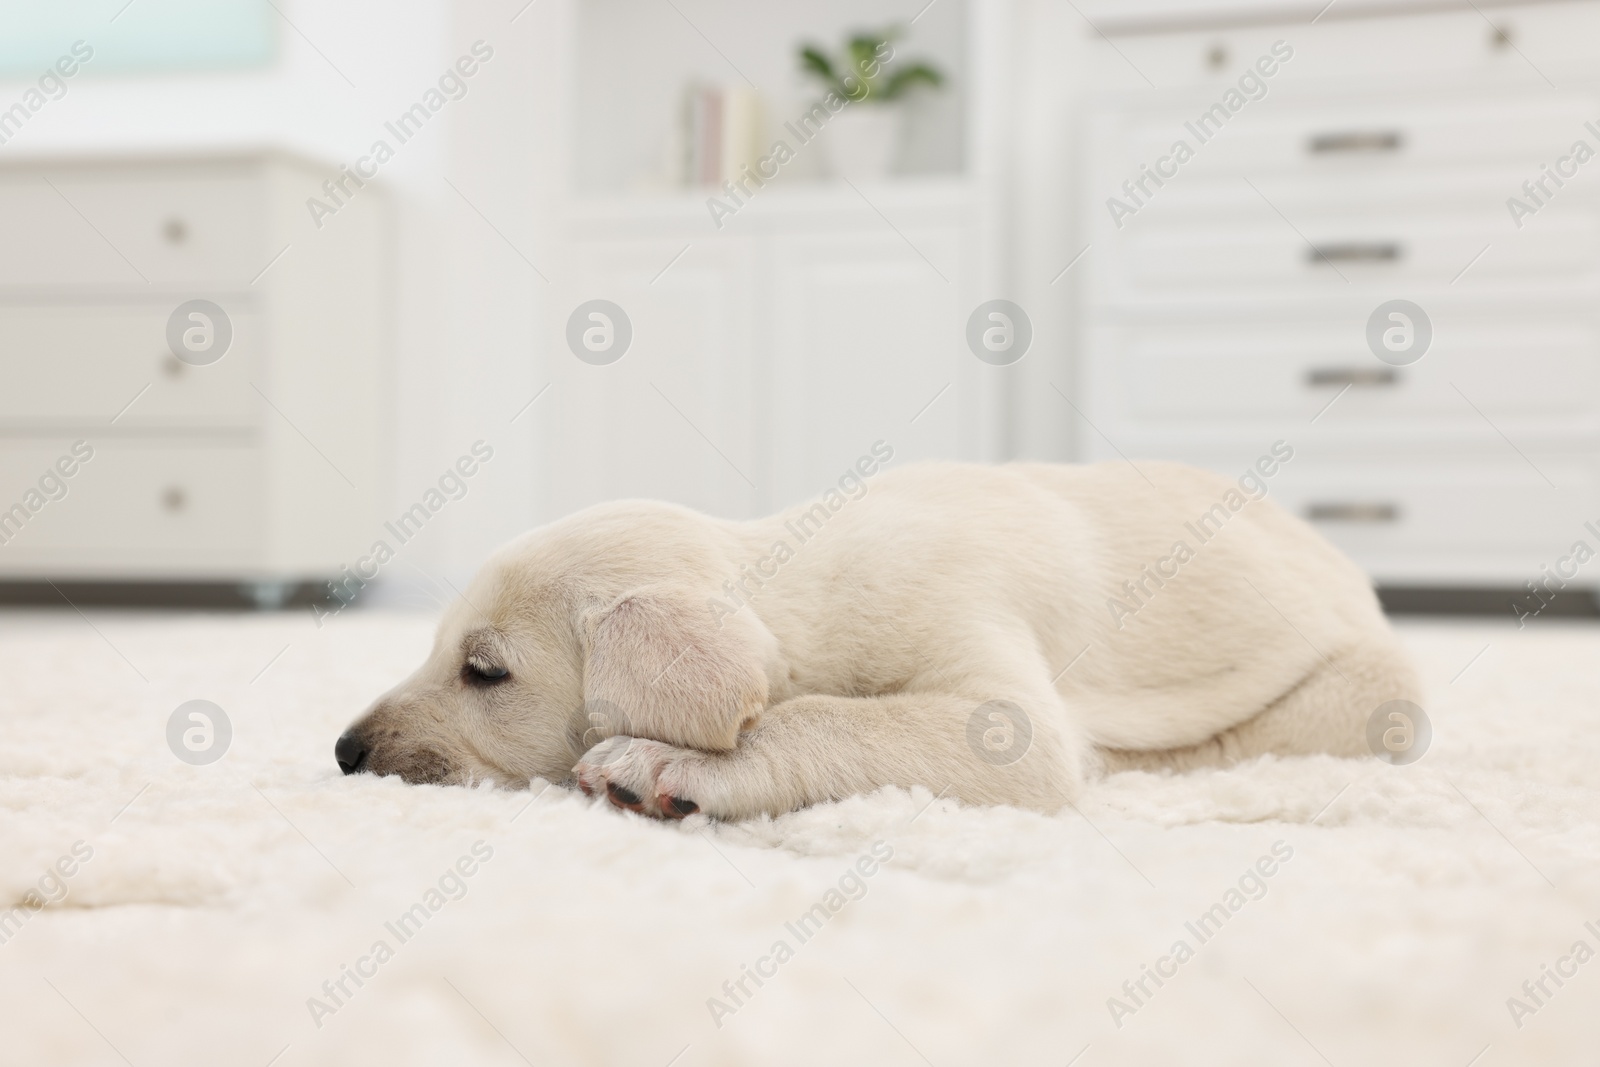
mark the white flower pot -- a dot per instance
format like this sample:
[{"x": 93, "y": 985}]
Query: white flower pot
[{"x": 863, "y": 141}]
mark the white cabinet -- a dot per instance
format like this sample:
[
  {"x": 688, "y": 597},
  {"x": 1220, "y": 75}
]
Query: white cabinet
[
  {"x": 1231, "y": 304},
  {"x": 676, "y": 405},
  {"x": 866, "y": 336},
  {"x": 766, "y": 356},
  {"x": 264, "y": 465}
]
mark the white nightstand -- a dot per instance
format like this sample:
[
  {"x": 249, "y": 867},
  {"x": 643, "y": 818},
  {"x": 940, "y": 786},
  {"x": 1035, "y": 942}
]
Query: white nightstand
[{"x": 264, "y": 466}]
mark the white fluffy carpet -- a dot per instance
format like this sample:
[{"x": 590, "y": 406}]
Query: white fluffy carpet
[{"x": 1417, "y": 900}]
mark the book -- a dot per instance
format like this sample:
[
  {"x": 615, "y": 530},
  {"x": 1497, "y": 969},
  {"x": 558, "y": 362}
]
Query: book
[{"x": 719, "y": 133}]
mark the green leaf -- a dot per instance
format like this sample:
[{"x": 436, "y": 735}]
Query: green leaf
[
  {"x": 813, "y": 61},
  {"x": 860, "y": 56},
  {"x": 863, "y": 50},
  {"x": 903, "y": 80}
]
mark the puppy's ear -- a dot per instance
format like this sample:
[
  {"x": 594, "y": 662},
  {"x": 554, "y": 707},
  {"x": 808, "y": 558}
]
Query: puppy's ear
[{"x": 659, "y": 655}]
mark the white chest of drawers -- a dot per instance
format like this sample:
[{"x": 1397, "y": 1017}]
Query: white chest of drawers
[
  {"x": 264, "y": 466},
  {"x": 1230, "y": 310}
]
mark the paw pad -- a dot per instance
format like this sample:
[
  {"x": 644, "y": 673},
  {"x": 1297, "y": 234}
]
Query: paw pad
[
  {"x": 622, "y": 796},
  {"x": 680, "y": 806}
]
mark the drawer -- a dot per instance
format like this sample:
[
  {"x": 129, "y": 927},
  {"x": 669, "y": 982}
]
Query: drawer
[
  {"x": 134, "y": 509},
  {"x": 1184, "y": 43},
  {"x": 1375, "y": 135},
  {"x": 1458, "y": 519},
  {"x": 1198, "y": 374},
  {"x": 81, "y": 227},
  {"x": 66, "y": 365},
  {"x": 1469, "y": 517},
  {"x": 1372, "y": 252}
]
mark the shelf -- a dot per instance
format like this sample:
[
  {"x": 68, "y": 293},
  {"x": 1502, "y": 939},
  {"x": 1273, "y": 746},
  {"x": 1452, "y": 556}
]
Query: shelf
[
  {"x": 635, "y": 58},
  {"x": 779, "y": 203}
]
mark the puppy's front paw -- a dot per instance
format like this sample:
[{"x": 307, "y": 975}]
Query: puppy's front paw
[{"x": 648, "y": 777}]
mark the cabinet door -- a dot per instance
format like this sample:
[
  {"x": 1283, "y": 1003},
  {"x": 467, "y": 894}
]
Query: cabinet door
[
  {"x": 868, "y": 344},
  {"x": 671, "y": 418}
]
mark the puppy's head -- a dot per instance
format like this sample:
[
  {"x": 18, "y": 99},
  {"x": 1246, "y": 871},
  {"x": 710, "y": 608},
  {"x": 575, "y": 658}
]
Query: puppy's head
[
  {"x": 569, "y": 636},
  {"x": 489, "y": 703}
]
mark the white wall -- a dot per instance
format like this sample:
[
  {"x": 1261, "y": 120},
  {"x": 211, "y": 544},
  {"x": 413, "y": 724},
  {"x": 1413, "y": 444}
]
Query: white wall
[
  {"x": 1057, "y": 68},
  {"x": 509, "y": 159}
]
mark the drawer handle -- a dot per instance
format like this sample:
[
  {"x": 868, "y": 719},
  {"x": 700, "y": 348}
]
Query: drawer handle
[
  {"x": 174, "y": 499},
  {"x": 1353, "y": 512},
  {"x": 1356, "y": 141},
  {"x": 1319, "y": 377},
  {"x": 1354, "y": 252}
]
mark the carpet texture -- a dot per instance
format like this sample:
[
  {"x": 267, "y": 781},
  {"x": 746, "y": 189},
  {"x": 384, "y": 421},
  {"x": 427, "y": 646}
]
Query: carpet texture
[{"x": 210, "y": 914}]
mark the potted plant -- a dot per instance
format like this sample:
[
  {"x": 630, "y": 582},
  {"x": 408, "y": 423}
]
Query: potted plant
[{"x": 865, "y": 134}]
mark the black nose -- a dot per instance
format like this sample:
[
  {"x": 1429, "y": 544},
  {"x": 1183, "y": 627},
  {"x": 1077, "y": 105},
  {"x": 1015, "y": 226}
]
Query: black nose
[{"x": 350, "y": 751}]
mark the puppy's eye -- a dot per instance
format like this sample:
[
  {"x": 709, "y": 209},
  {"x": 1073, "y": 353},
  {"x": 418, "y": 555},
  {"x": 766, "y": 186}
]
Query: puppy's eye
[{"x": 483, "y": 673}]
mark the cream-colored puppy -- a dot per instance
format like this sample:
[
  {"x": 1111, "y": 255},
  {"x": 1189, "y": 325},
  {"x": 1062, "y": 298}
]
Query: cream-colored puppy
[{"x": 992, "y": 633}]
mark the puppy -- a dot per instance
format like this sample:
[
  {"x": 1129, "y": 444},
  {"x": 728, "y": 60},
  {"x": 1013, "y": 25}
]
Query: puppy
[{"x": 994, "y": 634}]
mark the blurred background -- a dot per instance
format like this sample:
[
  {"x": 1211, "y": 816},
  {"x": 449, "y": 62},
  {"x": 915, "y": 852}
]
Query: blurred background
[
  {"x": 317, "y": 303},
  {"x": 311, "y": 305}
]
